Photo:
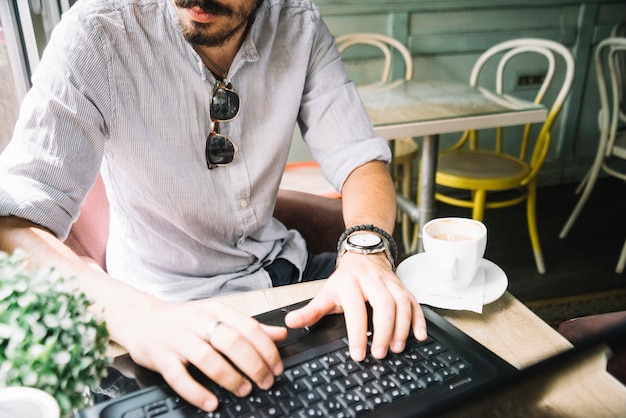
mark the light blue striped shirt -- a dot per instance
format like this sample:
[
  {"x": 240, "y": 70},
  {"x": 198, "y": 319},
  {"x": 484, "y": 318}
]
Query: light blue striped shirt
[{"x": 120, "y": 91}]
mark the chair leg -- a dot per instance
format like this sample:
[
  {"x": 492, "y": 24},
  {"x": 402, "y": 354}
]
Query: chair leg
[
  {"x": 589, "y": 181},
  {"x": 478, "y": 211},
  {"x": 622, "y": 260},
  {"x": 532, "y": 226},
  {"x": 407, "y": 225},
  {"x": 579, "y": 206}
]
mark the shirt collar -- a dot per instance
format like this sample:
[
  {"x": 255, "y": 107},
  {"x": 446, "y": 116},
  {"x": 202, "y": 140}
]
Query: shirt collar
[{"x": 247, "y": 52}]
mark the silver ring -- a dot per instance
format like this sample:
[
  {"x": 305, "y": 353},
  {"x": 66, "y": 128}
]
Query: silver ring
[{"x": 210, "y": 330}]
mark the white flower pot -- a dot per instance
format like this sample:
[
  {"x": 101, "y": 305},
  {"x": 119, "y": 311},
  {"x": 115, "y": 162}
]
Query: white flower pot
[{"x": 24, "y": 402}]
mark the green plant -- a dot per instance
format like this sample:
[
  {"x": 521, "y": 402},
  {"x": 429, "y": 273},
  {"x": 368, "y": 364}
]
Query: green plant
[{"x": 48, "y": 337}]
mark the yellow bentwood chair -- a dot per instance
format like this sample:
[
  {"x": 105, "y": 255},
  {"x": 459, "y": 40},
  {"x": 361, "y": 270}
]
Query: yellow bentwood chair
[
  {"x": 609, "y": 55},
  {"x": 405, "y": 150},
  {"x": 469, "y": 168}
]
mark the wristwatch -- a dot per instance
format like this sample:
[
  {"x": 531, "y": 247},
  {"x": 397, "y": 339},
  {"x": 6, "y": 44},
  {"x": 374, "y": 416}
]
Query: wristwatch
[{"x": 365, "y": 243}]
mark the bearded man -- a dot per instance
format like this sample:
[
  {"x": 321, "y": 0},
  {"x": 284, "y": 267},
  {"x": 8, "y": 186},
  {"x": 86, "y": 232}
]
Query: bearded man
[{"x": 187, "y": 108}]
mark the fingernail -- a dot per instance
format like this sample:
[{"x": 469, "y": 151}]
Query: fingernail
[
  {"x": 357, "y": 354},
  {"x": 379, "y": 352},
  {"x": 397, "y": 346},
  {"x": 209, "y": 405},
  {"x": 267, "y": 382},
  {"x": 422, "y": 334},
  {"x": 244, "y": 389},
  {"x": 278, "y": 369}
]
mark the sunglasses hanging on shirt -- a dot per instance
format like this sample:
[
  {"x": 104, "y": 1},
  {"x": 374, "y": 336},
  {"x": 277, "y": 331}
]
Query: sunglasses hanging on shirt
[{"x": 220, "y": 150}]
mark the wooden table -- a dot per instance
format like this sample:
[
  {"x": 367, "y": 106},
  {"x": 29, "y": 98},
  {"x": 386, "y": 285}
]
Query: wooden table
[
  {"x": 418, "y": 108},
  {"x": 509, "y": 329}
]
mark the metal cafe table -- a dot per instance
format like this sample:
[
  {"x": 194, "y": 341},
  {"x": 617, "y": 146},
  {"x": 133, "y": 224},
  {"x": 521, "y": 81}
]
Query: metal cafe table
[{"x": 428, "y": 109}]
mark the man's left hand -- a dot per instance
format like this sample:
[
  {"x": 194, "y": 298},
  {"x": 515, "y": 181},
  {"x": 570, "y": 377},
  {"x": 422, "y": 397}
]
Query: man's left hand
[{"x": 359, "y": 279}]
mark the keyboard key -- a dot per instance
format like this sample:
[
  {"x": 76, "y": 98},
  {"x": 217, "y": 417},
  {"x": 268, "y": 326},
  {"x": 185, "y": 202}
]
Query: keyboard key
[
  {"x": 332, "y": 405},
  {"x": 295, "y": 387},
  {"x": 311, "y": 397},
  {"x": 269, "y": 412},
  {"x": 369, "y": 391},
  {"x": 258, "y": 401},
  {"x": 347, "y": 382},
  {"x": 461, "y": 367},
  {"x": 349, "y": 398},
  {"x": 313, "y": 412},
  {"x": 292, "y": 404},
  {"x": 137, "y": 413},
  {"x": 330, "y": 389}
]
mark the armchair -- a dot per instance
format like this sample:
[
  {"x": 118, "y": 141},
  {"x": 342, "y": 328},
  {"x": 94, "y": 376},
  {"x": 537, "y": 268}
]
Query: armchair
[
  {"x": 319, "y": 219},
  {"x": 579, "y": 330}
]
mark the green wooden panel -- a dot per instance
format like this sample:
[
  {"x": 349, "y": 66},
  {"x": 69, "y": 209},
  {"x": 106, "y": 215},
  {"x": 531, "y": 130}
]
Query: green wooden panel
[
  {"x": 351, "y": 7},
  {"x": 494, "y": 19},
  {"x": 455, "y": 43},
  {"x": 340, "y": 25}
]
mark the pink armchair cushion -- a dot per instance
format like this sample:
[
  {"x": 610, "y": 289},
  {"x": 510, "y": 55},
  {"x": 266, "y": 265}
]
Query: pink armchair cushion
[
  {"x": 89, "y": 234},
  {"x": 580, "y": 329}
]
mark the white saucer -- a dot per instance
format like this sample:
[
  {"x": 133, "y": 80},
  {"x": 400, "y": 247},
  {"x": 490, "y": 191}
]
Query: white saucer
[{"x": 415, "y": 271}]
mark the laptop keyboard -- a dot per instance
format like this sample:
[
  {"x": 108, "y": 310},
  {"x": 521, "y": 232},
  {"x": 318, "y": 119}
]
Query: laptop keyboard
[{"x": 332, "y": 385}]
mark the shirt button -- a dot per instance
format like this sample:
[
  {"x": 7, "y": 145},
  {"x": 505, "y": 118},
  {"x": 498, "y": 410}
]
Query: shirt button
[{"x": 243, "y": 204}]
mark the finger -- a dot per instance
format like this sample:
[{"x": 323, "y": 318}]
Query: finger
[
  {"x": 320, "y": 306},
  {"x": 355, "y": 313},
  {"x": 383, "y": 317},
  {"x": 405, "y": 305},
  {"x": 179, "y": 379},
  {"x": 419, "y": 322},
  {"x": 213, "y": 365},
  {"x": 251, "y": 350},
  {"x": 276, "y": 333}
]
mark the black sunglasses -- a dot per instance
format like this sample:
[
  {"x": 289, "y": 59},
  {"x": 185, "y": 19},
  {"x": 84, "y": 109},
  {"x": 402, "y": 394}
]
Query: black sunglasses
[{"x": 220, "y": 150}]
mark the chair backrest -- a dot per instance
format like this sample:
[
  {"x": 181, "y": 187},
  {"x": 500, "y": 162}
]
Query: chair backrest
[
  {"x": 555, "y": 56},
  {"x": 609, "y": 57},
  {"x": 619, "y": 31},
  {"x": 386, "y": 44}
]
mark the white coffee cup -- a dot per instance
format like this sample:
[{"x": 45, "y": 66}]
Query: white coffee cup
[
  {"x": 26, "y": 402},
  {"x": 454, "y": 249}
]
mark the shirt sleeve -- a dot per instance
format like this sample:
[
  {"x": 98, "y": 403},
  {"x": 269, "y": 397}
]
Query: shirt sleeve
[
  {"x": 333, "y": 120},
  {"x": 57, "y": 146}
]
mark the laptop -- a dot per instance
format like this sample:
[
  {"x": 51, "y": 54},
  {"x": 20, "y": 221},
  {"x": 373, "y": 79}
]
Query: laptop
[{"x": 320, "y": 379}]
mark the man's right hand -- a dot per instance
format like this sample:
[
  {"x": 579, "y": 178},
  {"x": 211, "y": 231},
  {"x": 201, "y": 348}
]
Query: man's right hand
[
  {"x": 162, "y": 336},
  {"x": 238, "y": 352}
]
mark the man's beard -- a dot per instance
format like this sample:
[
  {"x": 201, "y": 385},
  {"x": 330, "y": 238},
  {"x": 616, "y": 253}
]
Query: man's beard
[{"x": 197, "y": 33}]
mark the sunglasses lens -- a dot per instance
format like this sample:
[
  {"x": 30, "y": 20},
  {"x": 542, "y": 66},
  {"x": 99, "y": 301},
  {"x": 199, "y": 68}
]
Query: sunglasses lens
[
  {"x": 224, "y": 104},
  {"x": 219, "y": 150}
]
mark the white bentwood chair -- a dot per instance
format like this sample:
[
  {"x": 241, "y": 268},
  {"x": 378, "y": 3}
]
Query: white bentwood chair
[{"x": 610, "y": 56}]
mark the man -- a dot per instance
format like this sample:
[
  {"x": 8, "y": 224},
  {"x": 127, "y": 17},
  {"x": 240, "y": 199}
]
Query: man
[{"x": 187, "y": 108}]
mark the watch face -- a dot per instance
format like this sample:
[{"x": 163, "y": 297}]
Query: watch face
[{"x": 365, "y": 240}]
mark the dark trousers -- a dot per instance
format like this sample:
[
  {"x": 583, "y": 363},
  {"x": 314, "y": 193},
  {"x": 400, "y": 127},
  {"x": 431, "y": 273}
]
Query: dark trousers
[{"x": 318, "y": 266}]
